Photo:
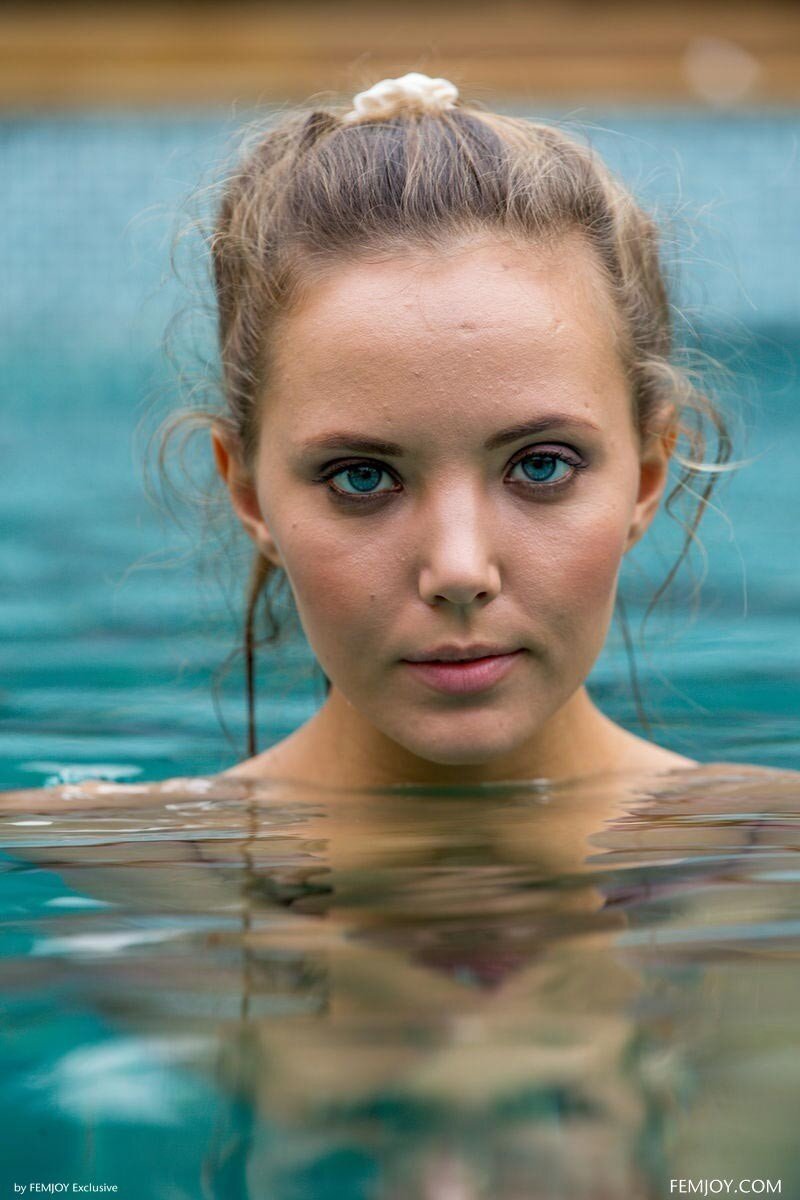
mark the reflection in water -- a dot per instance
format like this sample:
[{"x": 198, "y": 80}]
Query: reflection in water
[{"x": 501, "y": 992}]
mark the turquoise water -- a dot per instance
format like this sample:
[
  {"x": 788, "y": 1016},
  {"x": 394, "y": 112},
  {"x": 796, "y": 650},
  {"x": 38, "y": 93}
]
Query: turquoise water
[
  {"x": 109, "y": 663},
  {"x": 492, "y": 994},
  {"x": 210, "y": 989}
]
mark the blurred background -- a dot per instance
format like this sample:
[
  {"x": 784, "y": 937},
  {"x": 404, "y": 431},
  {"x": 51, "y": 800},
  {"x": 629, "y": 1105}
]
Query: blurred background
[{"x": 110, "y": 116}]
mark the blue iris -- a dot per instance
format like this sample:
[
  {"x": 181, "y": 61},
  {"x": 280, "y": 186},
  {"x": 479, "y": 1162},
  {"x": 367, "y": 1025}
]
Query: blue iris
[
  {"x": 364, "y": 478},
  {"x": 538, "y": 462}
]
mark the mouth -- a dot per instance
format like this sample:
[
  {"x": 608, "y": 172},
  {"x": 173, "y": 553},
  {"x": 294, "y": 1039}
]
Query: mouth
[{"x": 466, "y": 676}]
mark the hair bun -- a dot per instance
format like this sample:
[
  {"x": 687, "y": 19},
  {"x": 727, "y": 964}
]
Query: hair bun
[{"x": 412, "y": 92}]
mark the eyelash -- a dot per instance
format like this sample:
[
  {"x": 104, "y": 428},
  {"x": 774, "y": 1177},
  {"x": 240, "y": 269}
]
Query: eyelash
[{"x": 331, "y": 470}]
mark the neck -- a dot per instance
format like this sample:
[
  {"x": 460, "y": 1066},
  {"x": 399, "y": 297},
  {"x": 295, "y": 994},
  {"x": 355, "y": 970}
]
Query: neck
[{"x": 338, "y": 747}]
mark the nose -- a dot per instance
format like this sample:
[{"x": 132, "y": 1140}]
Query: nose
[{"x": 457, "y": 561}]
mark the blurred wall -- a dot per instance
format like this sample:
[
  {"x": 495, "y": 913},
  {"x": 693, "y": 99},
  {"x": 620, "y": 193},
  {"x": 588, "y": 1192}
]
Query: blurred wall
[{"x": 64, "y": 54}]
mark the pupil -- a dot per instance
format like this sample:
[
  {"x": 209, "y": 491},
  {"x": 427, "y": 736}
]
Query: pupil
[
  {"x": 363, "y": 477},
  {"x": 536, "y": 464}
]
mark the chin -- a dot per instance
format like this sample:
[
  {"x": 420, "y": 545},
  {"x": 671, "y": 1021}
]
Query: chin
[{"x": 461, "y": 752}]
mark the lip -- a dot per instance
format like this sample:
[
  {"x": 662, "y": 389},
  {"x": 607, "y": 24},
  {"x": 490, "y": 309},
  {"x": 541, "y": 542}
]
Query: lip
[
  {"x": 465, "y": 678},
  {"x": 451, "y": 652}
]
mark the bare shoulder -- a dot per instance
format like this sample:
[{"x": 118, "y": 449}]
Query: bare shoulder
[
  {"x": 750, "y": 771},
  {"x": 267, "y": 766},
  {"x": 636, "y": 754},
  {"x": 98, "y": 794},
  {"x": 747, "y": 785},
  {"x": 286, "y": 762},
  {"x": 639, "y": 754}
]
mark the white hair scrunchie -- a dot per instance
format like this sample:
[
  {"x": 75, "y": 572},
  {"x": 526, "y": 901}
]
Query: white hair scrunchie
[{"x": 412, "y": 91}]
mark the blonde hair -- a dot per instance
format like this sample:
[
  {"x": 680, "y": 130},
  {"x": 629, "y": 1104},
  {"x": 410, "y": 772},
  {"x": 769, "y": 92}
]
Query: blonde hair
[{"x": 323, "y": 185}]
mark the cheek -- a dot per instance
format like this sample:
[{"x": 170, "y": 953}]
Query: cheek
[
  {"x": 342, "y": 586},
  {"x": 594, "y": 561},
  {"x": 571, "y": 576}
]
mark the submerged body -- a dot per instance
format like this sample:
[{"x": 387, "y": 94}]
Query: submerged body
[{"x": 570, "y": 991}]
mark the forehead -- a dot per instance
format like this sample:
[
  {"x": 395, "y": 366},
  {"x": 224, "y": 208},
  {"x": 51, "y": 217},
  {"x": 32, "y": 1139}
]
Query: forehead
[{"x": 471, "y": 328}]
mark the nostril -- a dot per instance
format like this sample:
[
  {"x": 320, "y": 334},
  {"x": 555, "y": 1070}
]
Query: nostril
[{"x": 458, "y": 582}]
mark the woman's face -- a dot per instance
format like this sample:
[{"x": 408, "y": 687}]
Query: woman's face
[{"x": 462, "y": 526}]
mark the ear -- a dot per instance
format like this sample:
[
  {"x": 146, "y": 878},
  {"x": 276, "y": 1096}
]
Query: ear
[
  {"x": 242, "y": 492},
  {"x": 654, "y": 457}
]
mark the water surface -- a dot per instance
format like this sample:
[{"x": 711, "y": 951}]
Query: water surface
[{"x": 219, "y": 988}]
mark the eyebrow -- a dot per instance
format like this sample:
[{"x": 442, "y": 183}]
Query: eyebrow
[{"x": 356, "y": 441}]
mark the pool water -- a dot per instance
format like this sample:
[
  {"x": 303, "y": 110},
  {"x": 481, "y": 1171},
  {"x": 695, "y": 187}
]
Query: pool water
[
  {"x": 573, "y": 991},
  {"x": 212, "y": 990}
]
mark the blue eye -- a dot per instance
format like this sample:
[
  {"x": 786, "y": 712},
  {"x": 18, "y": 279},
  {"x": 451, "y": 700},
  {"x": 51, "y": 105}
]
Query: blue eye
[
  {"x": 541, "y": 468},
  {"x": 360, "y": 478},
  {"x": 363, "y": 477}
]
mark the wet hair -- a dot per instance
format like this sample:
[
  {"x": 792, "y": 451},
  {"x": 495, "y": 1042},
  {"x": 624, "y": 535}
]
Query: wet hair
[{"x": 310, "y": 189}]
